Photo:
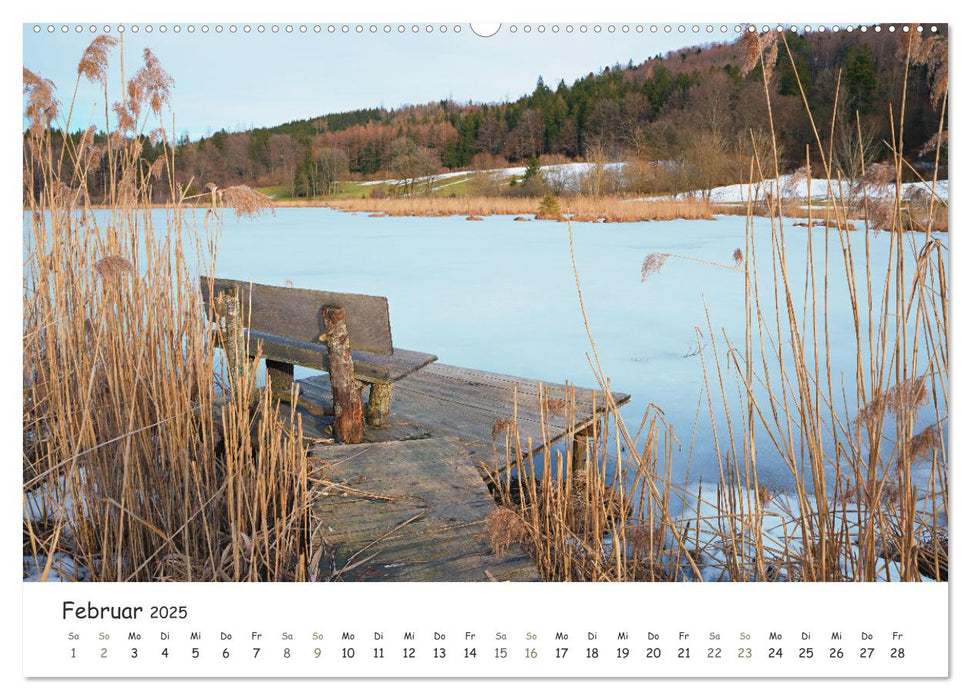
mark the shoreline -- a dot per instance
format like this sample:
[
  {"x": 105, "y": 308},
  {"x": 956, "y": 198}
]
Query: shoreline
[{"x": 590, "y": 210}]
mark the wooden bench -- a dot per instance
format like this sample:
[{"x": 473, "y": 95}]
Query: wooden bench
[{"x": 346, "y": 335}]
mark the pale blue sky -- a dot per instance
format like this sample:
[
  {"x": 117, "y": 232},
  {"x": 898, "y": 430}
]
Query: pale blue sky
[{"x": 237, "y": 80}]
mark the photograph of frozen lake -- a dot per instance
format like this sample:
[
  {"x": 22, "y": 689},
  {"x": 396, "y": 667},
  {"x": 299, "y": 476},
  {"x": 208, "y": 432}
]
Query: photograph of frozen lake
[{"x": 632, "y": 307}]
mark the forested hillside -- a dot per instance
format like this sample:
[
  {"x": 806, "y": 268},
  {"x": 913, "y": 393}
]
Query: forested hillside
[{"x": 703, "y": 108}]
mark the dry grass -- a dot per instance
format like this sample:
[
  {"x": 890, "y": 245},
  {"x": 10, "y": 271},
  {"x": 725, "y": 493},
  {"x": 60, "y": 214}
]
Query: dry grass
[
  {"x": 506, "y": 528},
  {"x": 854, "y": 510},
  {"x": 652, "y": 264},
  {"x": 580, "y": 208},
  {"x": 138, "y": 464}
]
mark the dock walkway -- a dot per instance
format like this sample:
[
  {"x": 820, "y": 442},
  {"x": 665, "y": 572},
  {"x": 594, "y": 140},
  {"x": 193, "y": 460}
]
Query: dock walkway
[
  {"x": 408, "y": 511},
  {"x": 410, "y": 503},
  {"x": 475, "y": 406}
]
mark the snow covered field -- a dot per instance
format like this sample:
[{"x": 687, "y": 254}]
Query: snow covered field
[
  {"x": 798, "y": 188},
  {"x": 567, "y": 174}
]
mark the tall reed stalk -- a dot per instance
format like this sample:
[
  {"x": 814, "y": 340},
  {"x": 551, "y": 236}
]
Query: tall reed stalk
[
  {"x": 137, "y": 465},
  {"x": 853, "y": 509}
]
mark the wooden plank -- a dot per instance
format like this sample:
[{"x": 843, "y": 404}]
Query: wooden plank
[
  {"x": 371, "y": 367},
  {"x": 408, "y": 511},
  {"x": 490, "y": 389},
  {"x": 296, "y": 313},
  {"x": 443, "y": 400},
  {"x": 368, "y": 366}
]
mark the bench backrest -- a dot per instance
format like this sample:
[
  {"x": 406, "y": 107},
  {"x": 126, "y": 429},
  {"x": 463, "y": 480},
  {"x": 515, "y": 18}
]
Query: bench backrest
[{"x": 297, "y": 313}]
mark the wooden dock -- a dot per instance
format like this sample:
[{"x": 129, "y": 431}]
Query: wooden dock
[
  {"x": 408, "y": 511},
  {"x": 475, "y": 406},
  {"x": 404, "y": 496},
  {"x": 410, "y": 503}
]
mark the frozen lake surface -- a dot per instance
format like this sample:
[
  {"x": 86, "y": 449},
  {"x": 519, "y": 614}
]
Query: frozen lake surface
[{"x": 500, "y": 295}]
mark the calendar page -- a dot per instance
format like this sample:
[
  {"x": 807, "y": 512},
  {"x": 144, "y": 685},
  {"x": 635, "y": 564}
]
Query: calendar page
[{"x": 428, "y": 348}]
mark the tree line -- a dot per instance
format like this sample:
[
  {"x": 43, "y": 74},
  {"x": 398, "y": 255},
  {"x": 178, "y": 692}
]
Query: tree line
[{"x": 701, "y": 109}]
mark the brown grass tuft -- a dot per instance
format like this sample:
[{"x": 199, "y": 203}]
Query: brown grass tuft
[
  {"x": 759, "y": 50},
  {"x": 506, "y": 528},
  {"x": 124, "y": 119},
  {"x": 878, "y": 175},
  {"x": 113, "y": 267},
  {"x": 908, "y": 395},
  {"x": 924, "y": 444},
  {"x": 764, "y": 494},
  {"x": 751, "y": 51},
  {"x": 245, "y": 201},
  {"x": 502, "y": 425},
  {"x": 151, "y": 83}
]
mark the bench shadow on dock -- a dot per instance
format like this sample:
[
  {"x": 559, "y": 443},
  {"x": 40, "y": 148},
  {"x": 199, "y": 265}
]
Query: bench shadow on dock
[{"x": 410, "y": 503}]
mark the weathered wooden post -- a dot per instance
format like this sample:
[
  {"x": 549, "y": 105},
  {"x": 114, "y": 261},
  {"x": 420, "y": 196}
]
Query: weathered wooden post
[
  {"x": 581, "y": 441},
  {"x": 348, "y": 411},
  {"x": 379, "y": 403},
  {"x": 234, "y": 341}
]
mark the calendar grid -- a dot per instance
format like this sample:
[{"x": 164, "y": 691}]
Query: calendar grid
[{"x": 449, "y": 630}]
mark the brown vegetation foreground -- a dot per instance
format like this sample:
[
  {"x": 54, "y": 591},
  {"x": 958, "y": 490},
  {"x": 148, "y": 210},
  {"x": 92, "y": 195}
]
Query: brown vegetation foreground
[
  {"x": 606, "y": 209},
  {"x": 137, "y": 464},
  {"x": 854, "y": 510}
]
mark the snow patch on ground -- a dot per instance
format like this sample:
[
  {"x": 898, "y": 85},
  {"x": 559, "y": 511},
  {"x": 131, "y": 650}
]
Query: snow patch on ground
[
  {"x": 430, "y": 178},
  {"x": 793, "y": 187},
  {"x": 50, "y": 501},
  {"x": 568, "y": 174},
  {"x": 63, "y": 568},
  {"x": 780, "y": 520}
]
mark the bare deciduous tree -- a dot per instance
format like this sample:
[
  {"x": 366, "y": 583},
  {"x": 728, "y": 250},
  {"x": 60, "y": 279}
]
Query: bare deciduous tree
[{"x": 412, "y": 164}]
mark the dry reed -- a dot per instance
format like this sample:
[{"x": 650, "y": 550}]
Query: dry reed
[
  {"x": 138, "y": 465},
  {"x": 580, "y": 208},
  {"x": 854, "y": 509}
]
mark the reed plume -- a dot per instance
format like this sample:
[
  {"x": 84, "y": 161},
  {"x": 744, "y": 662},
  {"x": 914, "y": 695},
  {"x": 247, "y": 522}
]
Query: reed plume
[{"x": 94, "y": 61}]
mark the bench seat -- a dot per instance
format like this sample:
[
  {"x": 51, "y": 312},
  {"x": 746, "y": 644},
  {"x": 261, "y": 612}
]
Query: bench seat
[{"x": 369, "y": 367}]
